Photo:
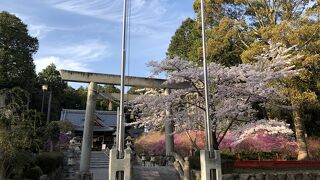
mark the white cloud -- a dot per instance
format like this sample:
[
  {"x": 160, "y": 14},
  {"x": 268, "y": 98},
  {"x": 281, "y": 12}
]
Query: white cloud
[
  {"x": 84, "y": 51},
  {"x": 39, "y": 30},
  {"x": 61, "y": 63},
  {"x": 144, "y": 14},
  {"x": 105, "y": 9},
  {"x": 73, "y": 56}
]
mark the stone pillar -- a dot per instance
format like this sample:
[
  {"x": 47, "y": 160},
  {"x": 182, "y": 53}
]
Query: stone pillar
[
  {"x": 84, "y": 173},
  {"x": 210, "y": 165},
  {"x": 186, "y": 169},
  {"x": 120, "y": 165},
  {"x": 168, "y": 130}
]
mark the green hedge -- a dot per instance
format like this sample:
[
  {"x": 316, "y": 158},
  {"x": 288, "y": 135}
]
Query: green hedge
[
  {"x": 228, "y": 155},
  {"x": 247, "y": 155},
  {"x": 225, "y": 156},
  {"x": 49, "y": 161}
]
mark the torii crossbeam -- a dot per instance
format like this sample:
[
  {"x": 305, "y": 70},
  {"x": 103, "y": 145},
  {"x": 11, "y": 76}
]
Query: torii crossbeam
[{"x": 99, "y": 78}]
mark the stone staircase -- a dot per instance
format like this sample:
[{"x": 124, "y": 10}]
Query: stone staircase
[
  {"x": 99, "y": 163},
  {"x": 99, "y": 159},
  {"x": 71, "y": 164}
]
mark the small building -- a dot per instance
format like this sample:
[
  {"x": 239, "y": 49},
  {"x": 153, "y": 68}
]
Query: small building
[{"x": 104, "y": 129}]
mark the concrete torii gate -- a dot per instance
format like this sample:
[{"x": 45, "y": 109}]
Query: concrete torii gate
[{"x": 97, "y": 78}]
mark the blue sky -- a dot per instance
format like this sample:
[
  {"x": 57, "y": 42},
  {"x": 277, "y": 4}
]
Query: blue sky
[{"x": 85, "y": 35}]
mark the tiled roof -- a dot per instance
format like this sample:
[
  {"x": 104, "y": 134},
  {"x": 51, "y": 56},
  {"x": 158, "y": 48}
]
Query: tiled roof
[{"x": 105, "y": 120}]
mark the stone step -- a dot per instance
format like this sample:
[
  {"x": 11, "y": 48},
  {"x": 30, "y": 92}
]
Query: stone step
[
  {"x": 92, "y": 162},
  {"x": 99, "y": 167},
  {"x": 105, "y": 160},
  {"x": 99, "y": 163},
  {"x": 98, "y": 160}
]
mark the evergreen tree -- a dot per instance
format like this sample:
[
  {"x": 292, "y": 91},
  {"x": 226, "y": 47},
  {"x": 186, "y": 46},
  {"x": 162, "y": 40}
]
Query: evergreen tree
[{"x": 16, "y": 50}]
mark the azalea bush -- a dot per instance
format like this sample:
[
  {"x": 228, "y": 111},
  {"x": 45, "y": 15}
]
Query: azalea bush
[
  {"x": 261, "y": 141},
  {"x": 266, "y": 137},
  {"x": 154, "y": 143},
  {"x": 261, "y": 136}
]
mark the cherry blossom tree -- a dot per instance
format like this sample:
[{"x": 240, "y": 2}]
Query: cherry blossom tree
[{"x": 233, "y": 92}]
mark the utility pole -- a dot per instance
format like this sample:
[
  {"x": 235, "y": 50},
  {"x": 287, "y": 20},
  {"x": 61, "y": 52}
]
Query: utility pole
[
  {"x": 120, "y": 159},
  {"x": 208, "y": 125},
  {"x": 123, "y": 71},
  {"x": 209, "y": 159}
]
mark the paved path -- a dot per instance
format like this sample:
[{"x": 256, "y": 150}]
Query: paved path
[{"x": 99, "y": 167}]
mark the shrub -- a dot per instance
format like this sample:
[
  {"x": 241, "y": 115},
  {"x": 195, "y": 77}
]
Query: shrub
[
  {"x": 261, "y": 136},
  {"x": 65, "y": 126},
  {"x": 227, "y": 161},
  {"x": 265, "y": 136},
  {"x": 263, "y": 142},
  {"x": 154, "y": 143},
  {"x": 195, "y": 162},
  {"x": 147, "y": 142},
  {"x": 19, "y": 162},
  {"x": 228, "y": 155},
  {"x": 251, "y": 155},
  {"x": 64, "y": 140},
  {"x": 33, "y": 173},
  {"x": 49, "y": 161}
]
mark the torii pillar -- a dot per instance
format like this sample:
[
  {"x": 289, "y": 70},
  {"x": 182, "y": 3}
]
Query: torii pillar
[
  {"x": 84, "y": 173},
  {"x": 168, "y": 130}
]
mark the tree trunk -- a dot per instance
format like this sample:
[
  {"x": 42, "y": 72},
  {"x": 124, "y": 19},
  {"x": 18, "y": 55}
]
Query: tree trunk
[
  {"x": 300, "y": 131},
  {"x": 2, "y": 100},
  {"x": 2, "y": 173},
  {"x": 193, "y": 142},
  {"x": 3, "y": 168},
  {"x": 215, "y": 141},
  {"x": 51, "y": 145}
]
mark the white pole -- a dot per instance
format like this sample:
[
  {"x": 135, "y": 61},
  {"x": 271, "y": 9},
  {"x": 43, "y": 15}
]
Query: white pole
[
  {"x": 123, "y": 64},
  {"x": 208, "y": 125}
]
